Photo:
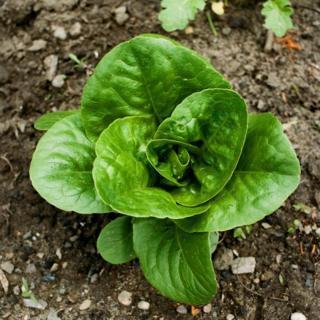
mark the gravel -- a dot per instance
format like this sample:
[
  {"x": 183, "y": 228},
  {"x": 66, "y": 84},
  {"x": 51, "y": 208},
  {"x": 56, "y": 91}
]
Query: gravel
[
  {"x": 243, "y": 265},
  {"x": 125, "y": 298}
]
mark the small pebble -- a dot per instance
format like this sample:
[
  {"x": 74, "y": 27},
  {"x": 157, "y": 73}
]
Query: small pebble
[
  {"x": 37, "y": 45},
  {"x": 223, "y": 259},
  {"x": 278, "y": 258},
  {"x": 27, "y": 235},
  {"x": 73, "y": 238},
  {"x": 125, "y": 298},
  {"x": 16, "y": 290},
  {"x": 59, "y": 32},
  {"x": 243, "y": 265},
  {"x": 59, "y": 254},
  {"x": 207, "y": 308},
  {"x": 58, "y": 81},
  {"x": 35, "y": 304},
  {"x": 144, "y": 305},
  {"x": 40, "y": 255},
  {"x": 298, "y": 316},
  {"x": 182, "y": 309},
  {"x": 7, "y": 266},
  {"x": 120, "y": 15},
  {"x": 264, "y": 224},
  {"x": 85, "y": 305},
  {"x": 53, "y": 315},
  {"x": 75, "y": 29},
  {"x": 54, "y": 267},
  {"x": 230, "y": 317},
  {"x": 31, "y": 268},
  {"x": 51, "y": 64},
  {"x": 307, "y": 229},
  {"x": 226, "y": 31},
  {"x": 94, "y": 278},
  {"x": 188, "y": 30}
]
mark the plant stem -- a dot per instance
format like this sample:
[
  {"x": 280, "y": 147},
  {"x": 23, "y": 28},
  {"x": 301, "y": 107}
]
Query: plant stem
[{"x": 212, "y": 27}]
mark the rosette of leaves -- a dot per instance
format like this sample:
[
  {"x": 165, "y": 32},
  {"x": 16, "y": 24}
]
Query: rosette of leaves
[{"x": 163, "y": 140}]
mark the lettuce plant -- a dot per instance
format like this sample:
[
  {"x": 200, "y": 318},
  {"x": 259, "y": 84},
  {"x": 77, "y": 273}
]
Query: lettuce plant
[{"x": 163, "y": 140}]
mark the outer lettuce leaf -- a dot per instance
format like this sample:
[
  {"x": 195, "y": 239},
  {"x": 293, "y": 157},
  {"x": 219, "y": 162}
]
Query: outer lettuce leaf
[
  {"x": 115, "y": 242},
  {"x": 61, "y": 168},
  {"x": 123, "y": 177},
  {"x": 177, "y": 263},
  {"x": 267, "y": 173},
  {"x": 148, "y": 75},
  {"x": 46, "y": 121},
  {"x": 215, "y": 122}
]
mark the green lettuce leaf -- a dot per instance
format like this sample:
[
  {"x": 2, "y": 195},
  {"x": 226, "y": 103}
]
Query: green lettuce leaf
[
  {"x": 46, "y": 121},
  {"x": 212, "y": 126},
  {"x": 123, "y": 176},
  {"x": 177, "y": 13},
  {"x": 61, "y": 168},
  {"x": 147, "y": 75},
  {"x": 115, "y": 242},
  {"x": 267, "y": 173},
  {"x": 177, "y": 263}
]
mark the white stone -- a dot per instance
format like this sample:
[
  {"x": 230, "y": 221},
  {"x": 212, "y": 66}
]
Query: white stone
[
  {"x": 38, "y": 45},
  {"x": 182, "y": 309},
  {"x": 223, "y": 259},
  {"x": 75, "y": 29},
  {"x": 266, "y": 225},
  {"x": 298, "y": 316},
  {"x": 53, "y": 315},
  {"x": 51, "y": 64},
  {"x": 207, "y": 308},
  {"x": 85, "y": 305},
  {"x": 144, "y": 305},
  {"x": 307, "y": 229},
  {"x": 58, "y": 81},
  {"x": 31, "y": 268},
  {"x": 120, "y": 15},
  {"x": 125, "y": 298},
  {"x": 243, "y": 265},
  {"x": 35, "y": 304},
  {"x": 230, "y": 316},
  {"x": 59, "y": 32},
  {"x": 7, "y": 266},
  {"x": 54, "y": 267}
]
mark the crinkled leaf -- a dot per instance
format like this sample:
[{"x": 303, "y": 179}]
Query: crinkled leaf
[
  {"x": 278, "y": 16},
  {"x": 214, "y": 121},
  {"x": 46, "y": 121},
  {"x": 123, "y": 177},
  {"x": 176, "y": 14},
  {"x": 61, "y": 168},
  {"x": 148, "y": 75},
  {"x": 267, "y": 173},
  {"x": 177, "y": 263},
  {"x": 115, "y": 242}
]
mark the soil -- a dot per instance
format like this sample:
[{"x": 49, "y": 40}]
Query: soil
[{"x": 55, "y": 251}]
